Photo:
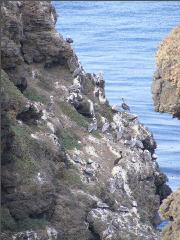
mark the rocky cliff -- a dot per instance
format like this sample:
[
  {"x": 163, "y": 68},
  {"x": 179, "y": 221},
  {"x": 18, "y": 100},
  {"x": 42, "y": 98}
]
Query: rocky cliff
[
  {"x": 73, "y": 167},
  {"x": 170, "y": 209},
  {"x": 166, "y": 82}
]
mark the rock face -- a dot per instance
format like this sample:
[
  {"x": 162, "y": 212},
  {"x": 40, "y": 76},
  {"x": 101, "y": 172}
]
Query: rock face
[
  {"x": 166, "y": 82},
  {"x": 170, "y": 210},
  {"x": 72, "y": 167}
]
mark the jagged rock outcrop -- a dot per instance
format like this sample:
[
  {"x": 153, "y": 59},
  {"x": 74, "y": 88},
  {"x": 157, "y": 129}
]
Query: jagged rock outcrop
[
  {"x": 72, "y": 167},
  {"x": 170, "y": 210},
  {"x": 166, "y": 81}
]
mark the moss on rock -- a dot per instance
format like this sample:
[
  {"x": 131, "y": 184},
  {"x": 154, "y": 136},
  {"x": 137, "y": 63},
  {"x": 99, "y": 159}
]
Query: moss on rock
[
  {"x": 11, "y": 97},
  {"x": 7, "y": 221},
  {"x": 70, "y": 139}
]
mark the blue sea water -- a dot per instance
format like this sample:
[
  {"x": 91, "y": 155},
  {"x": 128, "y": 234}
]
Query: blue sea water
[{"x": 121, "y": 38}]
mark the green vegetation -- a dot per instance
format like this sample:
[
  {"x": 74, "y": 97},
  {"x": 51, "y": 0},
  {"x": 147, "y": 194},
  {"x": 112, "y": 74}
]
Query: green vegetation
[
  {"x": 9, "y": 224},
  {"x": 9, "y": 92},
  {"x": 107, "y": 113},
  {"x": 96, "y": 134},
  {"x": 7, "y": 221},
  {"x": 45, "y": 84},
  {"x": 33, "y": 95},
  {"x": 70, "y": 139},
  {"x": 71, "y": 112},
  {"x": 25, "y": 146},
  {"x": 71, "y": 177}
]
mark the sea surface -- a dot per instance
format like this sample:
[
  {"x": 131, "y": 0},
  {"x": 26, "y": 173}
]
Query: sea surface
[{"x": 121, "y": 39}]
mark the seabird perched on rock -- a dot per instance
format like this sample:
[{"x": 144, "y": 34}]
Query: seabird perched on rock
[
  {"x": 50, "y": 105},
  {"x": 77, "y": 71},
  {"x": 71, "y": 98},
  {"x": 154, "y": 156},
  {"x": 96, "y": 91},
  {"x": 105, "y": 126},
  {"x": 125, "y": 106},
  {"x": 100, "y": 80},
  {"x": 69, "y": 40},
  {"x": 92, "y": 126},
  {"x": 118, "y": 159},
  {"x": 102, "y": 98},
  {"x": 77, "y": 80},
  {"x": 75, "y": 88}
]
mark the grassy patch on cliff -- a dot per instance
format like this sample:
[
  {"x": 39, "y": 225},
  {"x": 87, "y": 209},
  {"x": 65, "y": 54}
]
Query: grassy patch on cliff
[
  {"x": 24, "y": 146},
  {"x": 7, "y": 221},
  {"x": 10, "y": 94},
  {"x": 72, "y": 177},
  {"x": 34, "y": 95},
  {"x": 71, "y": 112},
  {"x": 69, "y": 139}
]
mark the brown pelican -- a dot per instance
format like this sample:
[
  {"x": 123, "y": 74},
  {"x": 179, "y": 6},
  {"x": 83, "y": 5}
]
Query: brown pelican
[
  {"x": 69, "y": 40},
  {"x": 125, "y": 106},
  {"x": 105, "y": 126},
  {"x": 92, "y": 126},
  {"x": 118, "y": 159}
]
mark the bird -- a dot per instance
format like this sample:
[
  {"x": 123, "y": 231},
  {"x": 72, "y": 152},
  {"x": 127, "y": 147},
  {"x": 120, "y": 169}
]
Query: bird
[
  {"x": 77, "y": 72},
  {"x": 105, "y": 126},
  {"x": 76, "y": 88},
  {"x": 92, "y": 126},
  {"x": 102, "y": 98},
  {"x": 118, "y": 159},
  {"x": 77, "y": 80},
  {"x": 50, "y": 105},
  {"x": 69, "y": 40},
  {"x": 125, "y": 106},
  {"x": 100, "y": 80},
  {"x": 154, "y": 156},
  {"x": 96, "y": 91}
]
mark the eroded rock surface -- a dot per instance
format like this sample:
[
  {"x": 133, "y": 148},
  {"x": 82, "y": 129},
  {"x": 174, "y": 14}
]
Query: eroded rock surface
[
  {"x": 166, "y": 82},
  {"x": 72, "y": 167},
  {"x": 170, "y": 210}
]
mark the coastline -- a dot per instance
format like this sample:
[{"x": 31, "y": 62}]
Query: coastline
[{"x": 109, "y": 179}]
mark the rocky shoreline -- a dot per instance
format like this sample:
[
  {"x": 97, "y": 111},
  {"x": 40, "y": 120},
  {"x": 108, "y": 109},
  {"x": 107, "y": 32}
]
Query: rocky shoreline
[
  {"x": 73, "y": 167},
  {"x": 166, "y": 81}
]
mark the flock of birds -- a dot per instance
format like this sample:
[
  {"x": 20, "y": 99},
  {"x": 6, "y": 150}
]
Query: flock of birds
[{"x": 75, "y": 98}]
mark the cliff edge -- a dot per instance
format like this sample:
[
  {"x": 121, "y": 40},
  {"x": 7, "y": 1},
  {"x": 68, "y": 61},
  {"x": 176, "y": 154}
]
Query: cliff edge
[
  {"x": 166, "y": 81},
  {"x": 73, "y": 167}
]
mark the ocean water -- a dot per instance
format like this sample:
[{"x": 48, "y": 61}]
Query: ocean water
[{"x": 121, "y": 39}]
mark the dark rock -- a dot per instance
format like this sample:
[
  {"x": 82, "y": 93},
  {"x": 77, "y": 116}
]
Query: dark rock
[{"x": 31, "y": 115}]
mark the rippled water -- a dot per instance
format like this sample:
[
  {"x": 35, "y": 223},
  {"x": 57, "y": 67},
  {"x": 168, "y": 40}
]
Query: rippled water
[{"x": 121, "y": 39}]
